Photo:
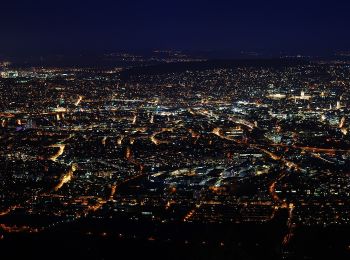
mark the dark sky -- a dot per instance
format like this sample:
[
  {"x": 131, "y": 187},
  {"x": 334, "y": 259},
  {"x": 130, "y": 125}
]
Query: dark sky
[{"x": 309, "y": 26}]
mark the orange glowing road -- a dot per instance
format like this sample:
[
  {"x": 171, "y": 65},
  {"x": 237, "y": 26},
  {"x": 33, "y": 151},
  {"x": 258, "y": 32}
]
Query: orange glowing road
[
  {"x": 319, "y": 150},
  {"x": 103, "y": 141},
  {"x": 290, "y": 226},
  {"x": 120, "y": 139},
  {"x": 128, "y": 153},
  {"x": 58, "y": 153},
  {"x": 190, "y": 214},
  {"x": 272, "y": 191},
  {"x": 283, "y": 204},
  {"x": 113, "y": 190},
  {"x": 134, "y": 120},
  {"x": 318, "y": 156},
  {"x": 18, "y": 229},
  {"x": 313, "y": 149},
  {"x": 217, "y": 131},
  {"x": 80, "y": 98},
  {"x": 8, "y": 211},
  {"x": 66, "y": 177},
  {"x": 156, "y": 141},
  {"x": 272, "y": 155}
]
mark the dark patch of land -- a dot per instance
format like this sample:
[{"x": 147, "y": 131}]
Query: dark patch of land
[{"x": 118, "y": 238}]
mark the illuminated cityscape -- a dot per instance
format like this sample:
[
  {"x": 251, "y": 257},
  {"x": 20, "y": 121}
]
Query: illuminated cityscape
[
  {"x": 241, "y": 145},
  {"x": 187, "y": 131}
]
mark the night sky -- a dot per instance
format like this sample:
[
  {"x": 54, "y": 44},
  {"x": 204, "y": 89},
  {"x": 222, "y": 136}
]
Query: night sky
[{"x": 307, "y": 27}]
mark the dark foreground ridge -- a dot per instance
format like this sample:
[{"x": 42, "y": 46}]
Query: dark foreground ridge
[{"x": 106, "y": 239}]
